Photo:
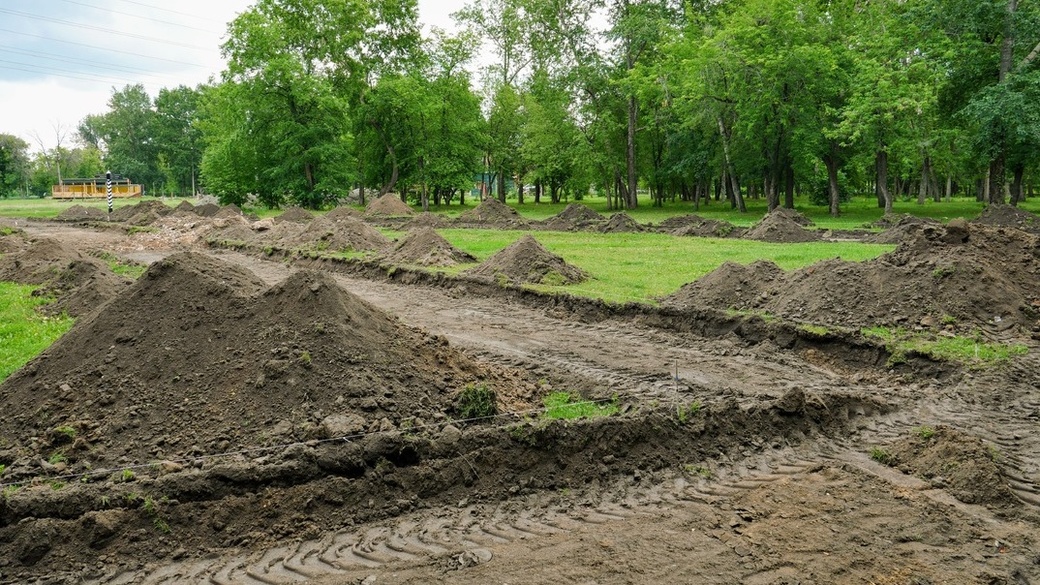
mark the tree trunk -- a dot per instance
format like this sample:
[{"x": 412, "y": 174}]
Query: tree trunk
[
  {"x": 789, "y": 186},
  {"x": 520, "y": 192},
  {"x": 881, "y": 165},
  {"x": 996, "y": 180},
  {"x": 738, "y": 200},
  {"x": 501, "y": 186},
  {"x": 922, "y": 193},
  {"x": 1016, "y": 185},
  {"x": 632, "y": 200},
  {"x": 831, "y": 161}
]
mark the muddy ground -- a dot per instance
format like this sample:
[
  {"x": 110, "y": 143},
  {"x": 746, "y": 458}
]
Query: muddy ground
[{"x": 744, "y": 451}]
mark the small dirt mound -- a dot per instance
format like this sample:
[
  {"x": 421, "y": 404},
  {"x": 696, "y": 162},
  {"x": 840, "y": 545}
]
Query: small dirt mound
[
  {"x": 526, "y": 261},
  {"x": 574, "y": 217},
  {"x": 793, "y": 215},
  {"x": 78, "y": 283},
  {"x": 730, "y": 286},
  {"x": 680, "y": 221},
  {"x": 340, "y": 212},
  {"x": 898, "y": 228},
  {"x": 389, "y": 205},
  {"x": 709, "y": 228},
  {"x": 781, "y": 227},
  {"x": 346, "y": 234},
  {"x": 229, "y": 211},
  {"x": 206, "y": 209},
  {"x": 185, "y": 205},
  {"x": 198, "y": 357},
  {"x": 425, "y": 247},
  {"x": 492, "y": 212},
  {"x": 621, "y": 223},
  {"x": 82, "y": 213},
  {"x": 1009, "y": 216},
  {"x": 958, "y": 462},
  {"x": 236, "y": 229},
  {"x": 429, "y": 220},
  {"x": 295, "y": 215},
  {"x": 142, "y": 213}
]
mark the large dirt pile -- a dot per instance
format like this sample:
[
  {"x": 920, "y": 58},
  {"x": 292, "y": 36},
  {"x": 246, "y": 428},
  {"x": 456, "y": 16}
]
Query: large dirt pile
[
  {"x": 425, "y": 247},
  {"x": 621, "y": 223},
  {"x": 142, "y": 213},
  {"x": 339, "y": 212},
  {"x": 198, "y": 357},
  {"x": 697, "y": 226},
  {"x": 898, "y": 227},
  {"x": 574, "y": 217},
  {"x": 206, "y": 209},
  {"x": 1009, "y": 216},
  {"x": 295, "y": 215},
  {"x": 389, "y": 205},
  {"x": 960, "y": 276},
  {"x": 82, "y": 213},
  {"x": 78, "y": 283},
  {"x": 782, "y": 226},
  {"x": 493, "y": 213},
  {"x": 344, "y": 234},
  {"x": 236, "y": 228},
  {"x": 958, "y": 462},
  {"x": 526, "y": 261}
]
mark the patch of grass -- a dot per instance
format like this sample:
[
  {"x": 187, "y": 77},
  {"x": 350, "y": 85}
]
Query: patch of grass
[
  {"x": 67, "y": 431},
  {"x": 120, "y": 266},
  {"x": 127, "y": 475},
  {"x": 57, "y": 457},
  {"x": 3, "y": 468},
  {"x": 476, "y": 401},
  {"x": 9, "y": 491},
  {"x": 151, "y": 508},
  {"x": 925, "y": 432},
  {"x": 24, "y": 332},
  {"x": 880, "y": 455},
  {"x": 969, "y": 351},
  {"x": 141, "y": 229},
  {"x": 685, "y": 413},
  {"x": 698, "y": 470},
  {"x": 817, "y": 330},
  {"x": 563, "y": 405}
]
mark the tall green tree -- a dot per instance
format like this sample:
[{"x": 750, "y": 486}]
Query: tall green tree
[
  {"x": 14, "y": 165},
  {"x": 178, "y": 136}
]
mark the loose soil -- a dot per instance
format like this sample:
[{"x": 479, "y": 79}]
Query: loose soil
[
  {"x": 526, "y": 261},
  {"x": 574, "y": 217},
  {"x": 335, "y": 235},
  {"x": 1009, "y": 216},
  {"x": 492, "y": 213},
  {"x": 783, "y": 225},
  {"x": 425, "y": 247},
  {"x": 620, "y": 223},
  {"x": 390, "y": 205},
  {"x": 740, "y": 453},
  {"x": 295, "y": 215}
]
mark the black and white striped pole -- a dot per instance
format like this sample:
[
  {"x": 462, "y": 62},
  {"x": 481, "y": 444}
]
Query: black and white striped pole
[{"x": 108, "y": 190}]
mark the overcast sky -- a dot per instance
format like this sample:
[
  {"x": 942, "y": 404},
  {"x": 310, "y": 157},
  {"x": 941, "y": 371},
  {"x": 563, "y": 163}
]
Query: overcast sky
[{"x": 60, "y": 59}]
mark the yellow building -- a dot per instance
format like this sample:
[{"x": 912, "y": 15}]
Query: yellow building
[{"x": 94, "y": 188}]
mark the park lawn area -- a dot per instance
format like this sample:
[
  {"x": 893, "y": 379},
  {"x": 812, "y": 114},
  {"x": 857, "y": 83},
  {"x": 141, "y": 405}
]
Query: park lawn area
[
  {"x": 24, "y": 333},
  {"x": 639, "y": 267}
]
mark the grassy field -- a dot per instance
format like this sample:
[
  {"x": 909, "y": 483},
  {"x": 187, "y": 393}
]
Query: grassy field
[{"x": 24, "y": 332}]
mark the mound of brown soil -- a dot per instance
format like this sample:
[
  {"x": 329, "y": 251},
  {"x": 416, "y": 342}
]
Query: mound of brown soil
[
  {"x": 230, "y": 211},
  {"x": 574, "y": 217},
  {"x": 206, "y": 209},
  {"x": 142, "y": 213},
  {"x": 708, "y": 228},
  {"x": 425, "y": 247},
  {"x": 198, "y": 357},
  {"x": 236, "y": 229},
  {"x": 429, "y": 220},
  {"x": 781, "y": 227},
  {"x": 81, "y": 213},
  {"x": 526, "y": 261},
  {"x": 679, "y": 221},
  {"x": 340, "y": 212},
  {"x": 347, "y": 233},
  {"x": 492, "y": 212},
  {"x": 78, "y": 283},
  {"x": 958, "y": 462},
  {"x": 962, "y": 276},
  {"x": 621, "y": 222},
  {"x": 390, "y": 205},
  {"x": 793, "y": 215},
  {"x": 898, "y": 228},
  {"x": 1009, "y": 216},
  {"x": 184, "y": 205},
  {"x": 732, "y": 285},
  {"x": 295, "y": 215}
]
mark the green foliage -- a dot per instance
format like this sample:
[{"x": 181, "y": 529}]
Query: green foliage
[
  {"x": 67, "y": 431},
  {"x": 476, "y": 401},
  {"x": 685, "y": 413},
  {"x": 880, "y": 455},
  {"x": 57, "y": 457},
  {"x": 119, "y": 266},
  {"x": 127, "y": 475},
  {"x": 970, "y": 351},
  {"x": 925, "y": 432},
  {"x": 565, "y": 406},
  {"x": 23, "y": 332},
  {"x": 815, "y": 330}
]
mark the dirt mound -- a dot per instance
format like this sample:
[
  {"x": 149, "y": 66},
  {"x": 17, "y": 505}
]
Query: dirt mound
[
  {"x": 229, "y": 211},
  {"x": 793, "y": 215},
  {"x": 236, "y": 229},
  {"x": 198, "y": 357},
  {"x": 708, "y": 228},
  {"x": 898, "y": 227},
  {"x": 958, "y": 462},
  {"x": 347, "y": 233},
  {"x": 621, "y": 222},
  {"x": 82, "y": 213},
  {"x": 340, "y": 212},
  {"x": 782, "y": 227},
  {"x": 1009, "y": 216},
  {"x": 732, "y": 285},
  {"x": 574, "y": 217},
  {"x": 185, "y": 205},
  {"x": 389, "y": 204},
  {"x": 425, "y": 247},
  {"x": 526, "y": 261},
  {"x": 958, "y": 276},
  {"x": 429, "y": 220},
  {"x": 78, "y": 283},
  {"x": 492, "y": 212},
  {"x": 142, "y": 213},
  {"x": 295, "y": 215},
  {"x": 206, "y": 209}
]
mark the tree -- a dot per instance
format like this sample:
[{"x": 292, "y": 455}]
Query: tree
[
  {"x": 14, "y": 165},
  {"x": 125, "y": 136},
  {"x": 178, "y": 136}
]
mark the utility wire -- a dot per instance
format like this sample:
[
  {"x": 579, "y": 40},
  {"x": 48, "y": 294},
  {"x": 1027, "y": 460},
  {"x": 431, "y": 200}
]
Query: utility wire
[
  {"x": 147, "y": 18},
  {"x": 95, "y": 79},
  {"x": 99, "y": 48},
  {"x": 153, "y": 7},
  {"x": 74, "y": 61},
  {"x": 106, "y": 30}
]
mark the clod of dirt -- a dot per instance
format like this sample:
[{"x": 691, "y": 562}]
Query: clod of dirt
[
  {"x": 621, "y": 223},
  {"x": 574, "y": 217},
  {"x": 425, "y": 247},
  {"x": 494, "y": 213},
  {"x": 389, "y": 205},
  {"x": 1009, "y": 216},
  {"x": 81, "y": 213},
  {"x": 199, "y": 357},
  {"x": 958, "y": 462},
  {"x": 295, "y": 215},
  {"x": 782, "y": 226},
  {"x": 345, "y": 234},
  {"x": 526, "y": 261},
  {"x": 78, "y": 283}
]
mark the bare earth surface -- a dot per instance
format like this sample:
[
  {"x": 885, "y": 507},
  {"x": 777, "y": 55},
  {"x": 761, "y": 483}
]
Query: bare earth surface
[{"x": 738, "y": 457}]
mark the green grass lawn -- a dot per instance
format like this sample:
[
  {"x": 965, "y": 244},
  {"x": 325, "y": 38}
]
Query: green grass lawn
[{"x": 23, "y": 332}]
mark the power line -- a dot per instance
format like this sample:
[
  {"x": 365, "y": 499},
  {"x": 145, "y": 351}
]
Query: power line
[
  {"x": 153, "y": 7},
  {"x": 74, "y": 61},
  {"x": 66, "y": 73},
  {"x": 148, "y": 18},
  {"x": 102, "y": 29},
  {"x": 96, "y": 47}
]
